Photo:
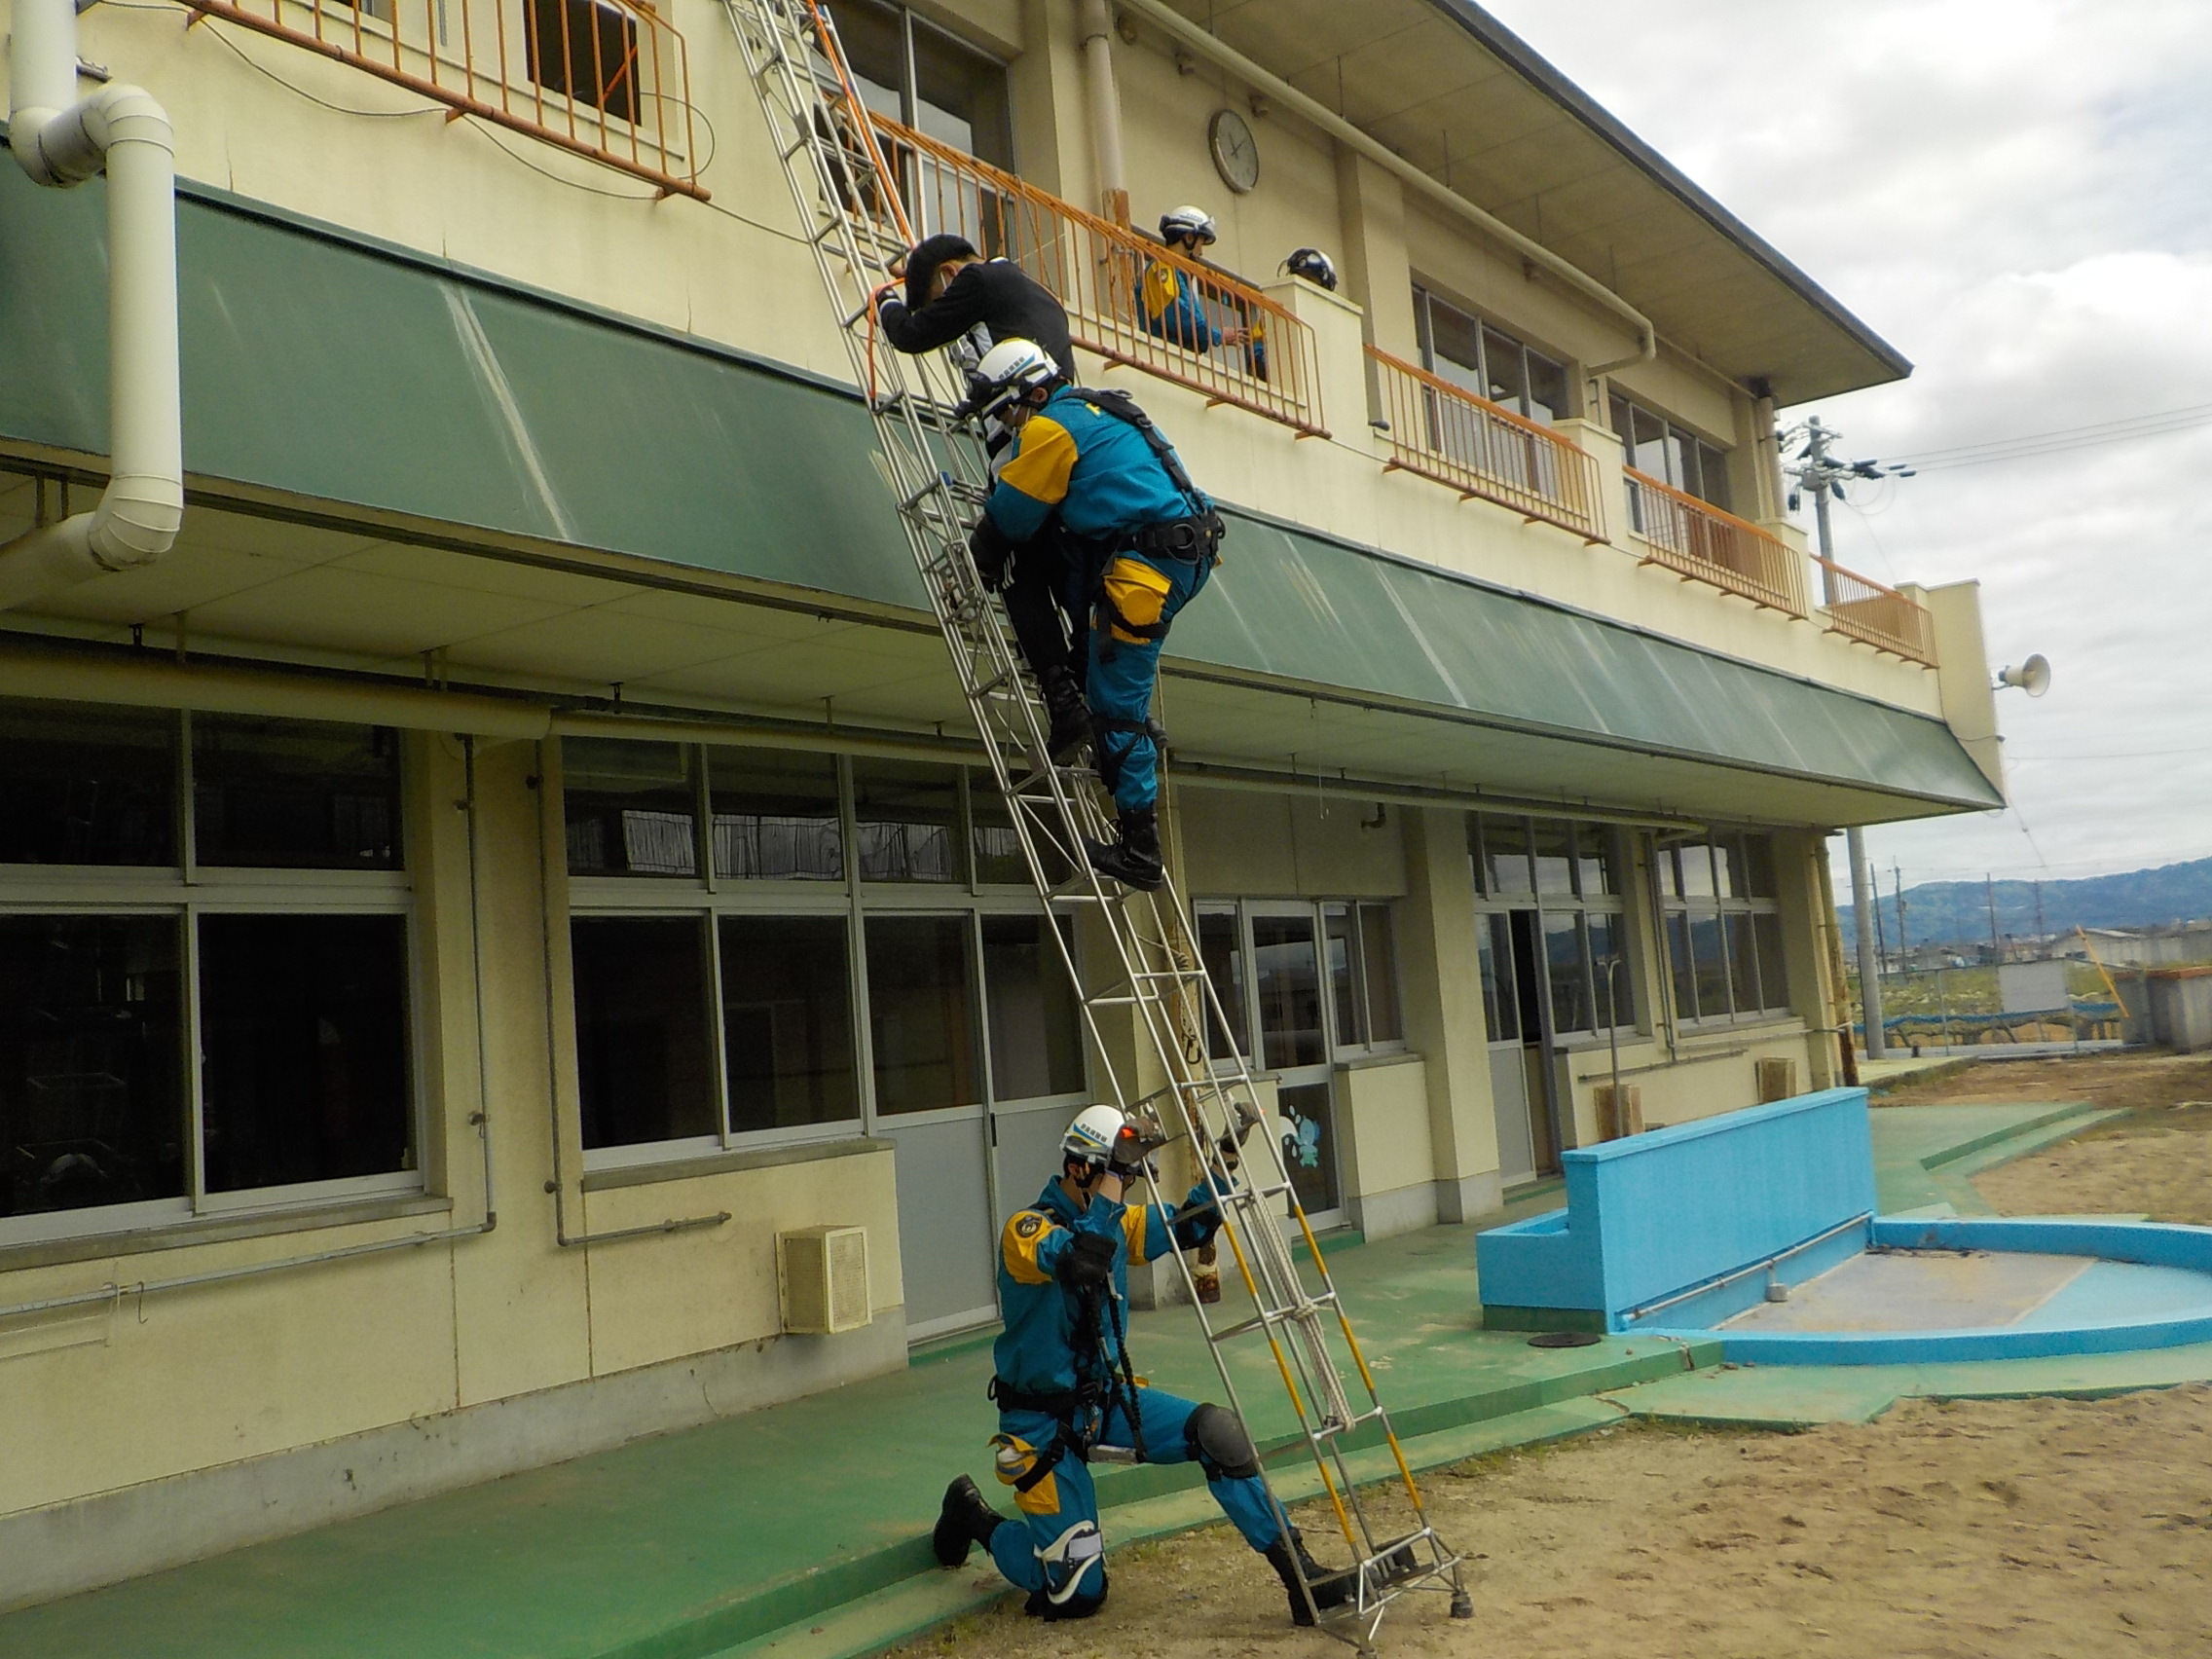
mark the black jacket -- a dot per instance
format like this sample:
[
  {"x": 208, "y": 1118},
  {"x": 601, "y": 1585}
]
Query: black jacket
[{"x": 998, "y": 294}]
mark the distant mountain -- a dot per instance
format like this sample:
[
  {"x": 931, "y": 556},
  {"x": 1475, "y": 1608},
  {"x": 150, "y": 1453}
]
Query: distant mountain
[{"x": 1945, "y": 912}]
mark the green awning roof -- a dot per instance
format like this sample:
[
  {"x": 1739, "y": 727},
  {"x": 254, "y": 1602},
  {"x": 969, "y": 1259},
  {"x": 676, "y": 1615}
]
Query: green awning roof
[{"x": 348, "y": 375}]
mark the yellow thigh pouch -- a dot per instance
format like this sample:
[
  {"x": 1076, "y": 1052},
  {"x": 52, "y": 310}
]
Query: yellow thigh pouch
[
  {"x": 1014, "y": 1458},
  {"x": 1136, "y": 596}
]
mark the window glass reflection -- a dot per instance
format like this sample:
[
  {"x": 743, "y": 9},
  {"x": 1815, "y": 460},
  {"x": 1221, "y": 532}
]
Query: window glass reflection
[
  {"x": 1036, "y": 1025},
  {"x": 787, "y": 1021},
  {"x": 633, "y": 808},
  {"x": 921, "y": 1012},
  {"x": 1288, "y": 979},
  {"x": 1221, "y": 948},
  {"x": 1743, "y": 962},
  {"x": 907, "y": 815},
  {"x": 1505, "y": 850},
  {"x": 1570, "y": 974},
  {"x": 1378, "y": 952},
  {"x": 776, "y": 815},
  {"x": 998, "y": 848},
  {"x": 1309, "y": 1146},
  {"x": 85, "y": 785},
  {"x": 1607, "y": 945},
  {"x": 294, "y": 795},
  {"x": 91, "y": 1091},
  {"x": 1494, "y": 946},
  {"x": 1554, "y": 848},
  {"x": 1339, "y": 930}
]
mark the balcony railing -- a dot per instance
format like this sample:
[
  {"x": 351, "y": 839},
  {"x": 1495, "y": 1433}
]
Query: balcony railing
[
  {"x": 607, "y": 79},
  {"x": 1113, "y": 282},
  {"x": 1865, "y": 611},
  {"x": 1700, "y": 543},
  {"x": 1447, "y": 433}
]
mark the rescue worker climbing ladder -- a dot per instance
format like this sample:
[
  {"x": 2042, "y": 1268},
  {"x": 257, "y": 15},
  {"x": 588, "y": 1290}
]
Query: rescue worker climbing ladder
[{"x": 850, "y": 216}]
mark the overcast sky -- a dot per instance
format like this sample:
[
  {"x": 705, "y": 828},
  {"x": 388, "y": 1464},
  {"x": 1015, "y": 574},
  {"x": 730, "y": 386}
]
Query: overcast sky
[{"x": 2017, "y": 195}]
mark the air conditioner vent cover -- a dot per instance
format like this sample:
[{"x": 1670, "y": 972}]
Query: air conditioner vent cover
[{"x": 822, "y": 1279}]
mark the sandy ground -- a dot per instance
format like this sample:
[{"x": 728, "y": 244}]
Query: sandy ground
[
  {"x": 2012, "y": 1529},
  {"x": 2155, "y": 1160}
]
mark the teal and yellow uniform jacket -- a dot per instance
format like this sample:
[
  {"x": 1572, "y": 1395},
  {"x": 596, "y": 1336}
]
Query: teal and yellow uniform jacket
[
  {"x": 1037, "y": 1350},
  {"x": 1096, "y": 470}
]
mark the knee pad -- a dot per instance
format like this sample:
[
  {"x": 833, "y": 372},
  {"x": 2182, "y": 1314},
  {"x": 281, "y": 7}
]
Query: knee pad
[
  {"x": 1042, "y": 1607},
  {"x": 1066, "y": 1560},
  {"x": 1217, "y": 1440}
]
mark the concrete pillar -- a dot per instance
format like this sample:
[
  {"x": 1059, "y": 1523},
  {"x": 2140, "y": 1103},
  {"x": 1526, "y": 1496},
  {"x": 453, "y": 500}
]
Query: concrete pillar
[
  {"x": 1338, "y": 354},
  {"x": 1444, "y": 1011},
  {"x": 1376, "y": 267},
  {"x": 1802, "y": 899},
  {"x": 1961, "y": 677}
]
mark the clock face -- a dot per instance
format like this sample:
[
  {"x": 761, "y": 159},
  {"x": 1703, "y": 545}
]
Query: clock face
[{"x": 1235, "y": 152}]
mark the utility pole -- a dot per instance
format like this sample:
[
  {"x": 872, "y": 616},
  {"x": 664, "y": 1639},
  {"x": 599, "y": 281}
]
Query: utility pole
[
  {"x": 1996, "y": 946},
  {"x": 1904, "y": 940},
  {"x": 1815, "y": 472},
  {"x": 2040, "y": 934},
  {"x": 1866, "y": 910},
  {"x": 1818, "y": 471}
]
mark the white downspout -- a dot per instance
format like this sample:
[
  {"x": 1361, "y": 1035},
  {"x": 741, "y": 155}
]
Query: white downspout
[
  {"x": 1094, "y": 22},
  {"x": 61, "y": 142}
]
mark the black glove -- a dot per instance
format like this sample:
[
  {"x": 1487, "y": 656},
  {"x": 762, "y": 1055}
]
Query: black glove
[
  {"x": 988, "y": 546},
  {"x": 1126, "y": 1159},
  {"x": 1088, "y": 1262}
]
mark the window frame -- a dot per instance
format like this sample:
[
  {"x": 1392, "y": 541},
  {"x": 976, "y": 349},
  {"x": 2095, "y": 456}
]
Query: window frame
[
  {"x": 1673, "y": 433},
  {"x": 1719, "y": 908},
  {"x": 1336, "y": 1052},
  {"x": 186, "y": 891},
  {"x": 1575, "y": 901},
  {"x": 712, "y": 896},
  {"x": 1425, "y": 297}
]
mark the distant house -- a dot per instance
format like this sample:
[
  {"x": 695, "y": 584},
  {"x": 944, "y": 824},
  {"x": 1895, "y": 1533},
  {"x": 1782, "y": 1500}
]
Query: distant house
[{"x": 2150, "y": 947}]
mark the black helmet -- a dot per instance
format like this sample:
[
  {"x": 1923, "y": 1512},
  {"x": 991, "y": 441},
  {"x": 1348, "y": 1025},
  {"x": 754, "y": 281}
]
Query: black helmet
[
  {"x": 1315, "y": 266},
  {"x": 927, "y": 255}
]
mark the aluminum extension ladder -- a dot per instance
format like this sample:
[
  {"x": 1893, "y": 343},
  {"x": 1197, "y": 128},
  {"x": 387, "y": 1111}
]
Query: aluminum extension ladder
[{"x": 852, "y": 216}]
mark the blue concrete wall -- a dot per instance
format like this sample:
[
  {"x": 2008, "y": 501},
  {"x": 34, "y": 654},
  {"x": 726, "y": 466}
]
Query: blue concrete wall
[{"x": 1654, "y": 1214}]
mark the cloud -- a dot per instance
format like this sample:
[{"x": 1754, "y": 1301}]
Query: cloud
[{"x": 2012, "y": 193}]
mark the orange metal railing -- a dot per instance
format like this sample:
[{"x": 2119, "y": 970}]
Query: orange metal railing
[
  {"x": 1865, "y": 611},
  {"x": 607, "y": 79},
  {"x": 1445, "y": 432},
  {"x": 1700, "y": 543},
  {"x": 1111, "y": 278}
]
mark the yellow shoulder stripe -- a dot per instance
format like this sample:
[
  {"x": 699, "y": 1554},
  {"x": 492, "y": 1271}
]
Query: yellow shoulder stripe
[
  {"x": 1132, "y": 1230},
  {"x": 1024, "y": 1236},
  {"x": 1041, "y": 466},
  {"x": 1159, "y": 289}
]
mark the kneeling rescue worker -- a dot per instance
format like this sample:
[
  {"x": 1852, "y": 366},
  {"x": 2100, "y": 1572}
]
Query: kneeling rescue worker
[
  {"x": 1064, "y": 1390},
  {"x": 1150, "y": 538}
]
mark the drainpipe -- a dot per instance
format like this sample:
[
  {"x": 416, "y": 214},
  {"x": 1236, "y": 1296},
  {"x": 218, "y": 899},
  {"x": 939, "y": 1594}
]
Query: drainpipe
[
  {"x": 1094, "y": 22},
  {"x": 60, "y": 142}
]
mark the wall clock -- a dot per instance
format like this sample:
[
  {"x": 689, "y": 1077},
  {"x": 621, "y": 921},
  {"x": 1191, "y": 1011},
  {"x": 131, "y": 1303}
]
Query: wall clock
[{"x": 1235, "y": 152}]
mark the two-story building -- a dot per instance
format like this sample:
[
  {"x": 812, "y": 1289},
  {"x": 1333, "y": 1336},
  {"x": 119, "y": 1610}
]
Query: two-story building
[{"x": 520, "y": 850}]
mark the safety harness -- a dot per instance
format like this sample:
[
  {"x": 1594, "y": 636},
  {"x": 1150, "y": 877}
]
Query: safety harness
[{"x": 1194, "y": 539}]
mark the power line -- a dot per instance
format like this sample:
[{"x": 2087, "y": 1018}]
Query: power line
[{"x": 2032, "y": 444}]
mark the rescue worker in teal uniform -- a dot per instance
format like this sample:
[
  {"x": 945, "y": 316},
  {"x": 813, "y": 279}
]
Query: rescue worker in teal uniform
[
  {"x": 1096, "y": 461},
  {"x": 1063, "y": 1389}
]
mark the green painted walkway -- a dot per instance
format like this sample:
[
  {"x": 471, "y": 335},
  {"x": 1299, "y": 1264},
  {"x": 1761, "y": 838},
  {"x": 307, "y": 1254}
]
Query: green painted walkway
[
  {"x": 690, "y": 1545},
  {"x": 1924, "y": 1156},
  {"x": 799, "y": 1532}
]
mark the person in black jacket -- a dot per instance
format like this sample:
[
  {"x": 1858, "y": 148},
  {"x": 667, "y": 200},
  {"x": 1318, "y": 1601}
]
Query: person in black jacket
[{"x": 956, "y": 298}]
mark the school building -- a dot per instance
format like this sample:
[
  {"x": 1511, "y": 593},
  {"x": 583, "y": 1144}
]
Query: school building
[{"x": 519, "y": 852}]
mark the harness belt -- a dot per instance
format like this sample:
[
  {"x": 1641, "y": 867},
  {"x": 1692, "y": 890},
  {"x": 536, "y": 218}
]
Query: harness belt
[{"x": 1063, "y": 1403}]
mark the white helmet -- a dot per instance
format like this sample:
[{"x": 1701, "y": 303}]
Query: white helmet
[
  {"x": 1091, "y": 1137},
  {"x": 1007, "y": 370},
  {"x": 1188, "y": 221}
]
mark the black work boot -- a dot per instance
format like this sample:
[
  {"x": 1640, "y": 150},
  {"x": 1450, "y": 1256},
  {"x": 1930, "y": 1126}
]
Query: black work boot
[
  {"x": 1330, "y": 1589},
  {"x": 963, "y": 1521},
  {"x": 1133, "y": 860},
  {"x": 1071, "y": 719}
]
